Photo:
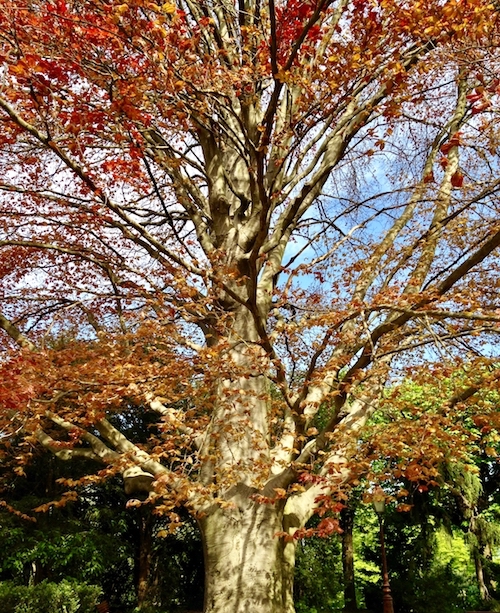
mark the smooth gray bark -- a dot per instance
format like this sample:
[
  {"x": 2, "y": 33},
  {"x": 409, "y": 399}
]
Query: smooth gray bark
[{"x": 248, "y": 568}]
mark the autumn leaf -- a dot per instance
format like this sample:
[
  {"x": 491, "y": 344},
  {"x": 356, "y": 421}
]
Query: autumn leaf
[{"x": 457, "y": 179}]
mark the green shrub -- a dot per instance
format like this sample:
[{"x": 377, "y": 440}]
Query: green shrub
[
  {"x": 10, "y": 596},
  {"x": 63, "y": 597}
]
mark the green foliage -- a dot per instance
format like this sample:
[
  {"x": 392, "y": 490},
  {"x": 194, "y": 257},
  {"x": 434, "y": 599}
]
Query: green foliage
[
  {"x": 430, "y": 567},
  {"x": 366, "y": 553},
  {"x": 96, "y": 539},
  {"x": 70, "y": 548},
  {"x": 318, "y": 575},
  {"x": 63, "y": 597},
  {"x": 431, "y": 570},
  {"x": 463, "y": 479},
  {"x": 87, "y": 542},
  {"x": 444, "y": 582},
  {"x": 180, "y": 569}
]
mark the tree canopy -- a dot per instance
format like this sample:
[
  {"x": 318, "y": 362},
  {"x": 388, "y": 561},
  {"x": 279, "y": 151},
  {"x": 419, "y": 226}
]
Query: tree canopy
[{"x": 247, "y": 217}]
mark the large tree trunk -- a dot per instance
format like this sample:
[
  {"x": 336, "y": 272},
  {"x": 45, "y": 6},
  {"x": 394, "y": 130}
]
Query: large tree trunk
[{"x": 247, "y": 567}]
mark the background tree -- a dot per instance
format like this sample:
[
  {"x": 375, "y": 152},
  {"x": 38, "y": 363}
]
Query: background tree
[
  {"x": 209, "y": 197},
  {"x": 127, "y": 555},
  {"x": 459, "y": 493}
]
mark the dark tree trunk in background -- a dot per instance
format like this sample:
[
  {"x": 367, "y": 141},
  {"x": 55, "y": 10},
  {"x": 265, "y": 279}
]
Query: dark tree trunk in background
[
  {"x": 144, "y": 579},
  {"x": 347, "y": 525}
]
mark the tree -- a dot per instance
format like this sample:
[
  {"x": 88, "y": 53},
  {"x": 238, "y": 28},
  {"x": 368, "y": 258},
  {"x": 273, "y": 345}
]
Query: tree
[
  {"x": 459, "y": 403},
  {"x": 246, "y": 216},
  {"x": 97, "y": 540}
]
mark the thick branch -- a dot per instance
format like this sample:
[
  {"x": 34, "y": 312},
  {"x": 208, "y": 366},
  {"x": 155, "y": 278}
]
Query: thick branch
[{"x": 15, "y": 334}]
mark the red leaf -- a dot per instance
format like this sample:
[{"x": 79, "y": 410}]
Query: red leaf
[
  {"x": 474, "y": 97},
  {"x": 457, "y": 180}
]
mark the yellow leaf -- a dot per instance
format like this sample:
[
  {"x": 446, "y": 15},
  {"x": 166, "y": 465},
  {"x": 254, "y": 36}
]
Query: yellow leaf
[
  {"x": 121, "y": 8},
  {"x": 168, "y": 8}
]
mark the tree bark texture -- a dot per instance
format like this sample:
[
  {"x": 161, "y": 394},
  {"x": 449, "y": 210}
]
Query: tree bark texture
[{"x": 248, "y": 568}]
